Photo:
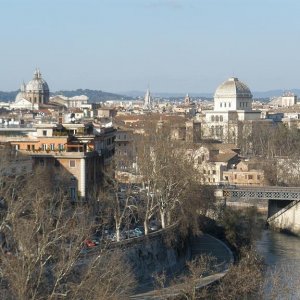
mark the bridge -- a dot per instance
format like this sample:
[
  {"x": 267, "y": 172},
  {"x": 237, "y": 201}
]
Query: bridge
[
  {"x": 262, "y": 192},
  {"x": 282, "y": 203}
]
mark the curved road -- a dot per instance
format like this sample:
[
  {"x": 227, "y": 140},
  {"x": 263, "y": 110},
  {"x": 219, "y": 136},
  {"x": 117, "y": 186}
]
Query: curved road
[{"x": 200, "y": 245}]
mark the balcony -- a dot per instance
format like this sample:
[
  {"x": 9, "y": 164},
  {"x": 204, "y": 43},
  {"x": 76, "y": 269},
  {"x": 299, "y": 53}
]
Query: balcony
[{"x": 58, "y": 154}]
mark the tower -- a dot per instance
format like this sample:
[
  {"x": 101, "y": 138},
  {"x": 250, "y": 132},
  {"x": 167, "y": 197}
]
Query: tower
[{"x": 147, "y": 100}]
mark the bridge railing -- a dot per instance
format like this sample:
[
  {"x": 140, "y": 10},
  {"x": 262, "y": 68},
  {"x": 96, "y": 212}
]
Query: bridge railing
[{"x": 264, "y": 193}]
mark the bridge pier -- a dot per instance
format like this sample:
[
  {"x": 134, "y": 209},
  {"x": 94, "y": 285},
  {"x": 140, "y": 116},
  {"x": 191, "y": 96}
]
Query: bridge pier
[{"x": 274, "y": 206}]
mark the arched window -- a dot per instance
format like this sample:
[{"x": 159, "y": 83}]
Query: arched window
[
  {"x": 217, "y": 118},
  {"x": 212, "y": 118}
]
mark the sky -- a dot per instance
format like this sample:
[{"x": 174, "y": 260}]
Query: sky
[{"x": 175, "y": 46}]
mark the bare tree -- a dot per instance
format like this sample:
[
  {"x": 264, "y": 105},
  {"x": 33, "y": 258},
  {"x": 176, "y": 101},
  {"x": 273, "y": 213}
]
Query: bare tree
[
  {"x": 121, "y": 205},
  {"x": 42, "y": 243}
]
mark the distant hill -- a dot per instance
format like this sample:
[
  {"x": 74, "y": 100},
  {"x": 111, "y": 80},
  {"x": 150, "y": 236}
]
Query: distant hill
[
  {"x": 94, "y": 95},
  {"x": 165, "y": 94},
  {"x": 8, "y": 96},
  {"x": 275, "y": 93},
  {"x": 256, "y": 95},
  {"x": 100, "y": 96}
]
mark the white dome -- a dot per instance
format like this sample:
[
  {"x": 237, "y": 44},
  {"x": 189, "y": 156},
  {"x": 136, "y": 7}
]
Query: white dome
[
  {"x": 19, "y": 96},
  {"x": 233, "y": 88},
  {"x": 37, "y": 84}
]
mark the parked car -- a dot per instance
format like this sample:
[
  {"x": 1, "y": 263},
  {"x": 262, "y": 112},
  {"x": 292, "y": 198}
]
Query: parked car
[
  {"x": 91, "y": 243},
  {"x": 154, "y": 225},
  {"x": 138, "y": 232},
  {"x": 113, "y": 237}
]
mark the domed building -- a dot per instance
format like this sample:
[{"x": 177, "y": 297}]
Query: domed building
[
  {"x": 233, "y": 94},
  {"x": 37, "y": 90},
  {"x": 232, "y": 108},
  {"x": 32, "y": 94}
]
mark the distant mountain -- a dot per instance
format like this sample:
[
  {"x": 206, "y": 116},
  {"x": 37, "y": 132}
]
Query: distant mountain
[{"x": 94, "y": 95}]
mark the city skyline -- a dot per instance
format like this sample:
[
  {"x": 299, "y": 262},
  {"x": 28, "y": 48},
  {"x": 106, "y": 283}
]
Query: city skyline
[{"x": 172, "y": 45}]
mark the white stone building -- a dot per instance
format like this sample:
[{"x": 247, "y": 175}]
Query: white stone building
[
  {"x": 70, "y": 102},
  {"x": 232, "y": 110},
  {"x": 32, "y": 94}
]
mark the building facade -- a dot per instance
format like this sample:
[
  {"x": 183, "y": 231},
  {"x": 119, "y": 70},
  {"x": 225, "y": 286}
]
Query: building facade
[
  {"x": 232, "y": 109},
  {"x": 73, "y": 149}
]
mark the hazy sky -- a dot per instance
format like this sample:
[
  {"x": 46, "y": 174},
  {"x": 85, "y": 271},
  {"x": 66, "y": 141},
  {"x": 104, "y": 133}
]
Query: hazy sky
[{"x": 172, "y": 45}]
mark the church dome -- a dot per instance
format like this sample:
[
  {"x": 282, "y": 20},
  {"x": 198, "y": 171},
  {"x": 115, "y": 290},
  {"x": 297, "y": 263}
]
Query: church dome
[
  {"x": 19, "y": 96},
  {"x": 37, "y": 84},
  {"x": 233, "y": 88}
]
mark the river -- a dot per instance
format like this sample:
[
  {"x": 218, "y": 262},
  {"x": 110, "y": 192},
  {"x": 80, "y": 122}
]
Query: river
[{"x": 281, "y": 253}]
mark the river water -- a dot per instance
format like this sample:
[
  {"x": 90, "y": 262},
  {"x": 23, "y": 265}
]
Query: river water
[{"x": 281, "y": 253}]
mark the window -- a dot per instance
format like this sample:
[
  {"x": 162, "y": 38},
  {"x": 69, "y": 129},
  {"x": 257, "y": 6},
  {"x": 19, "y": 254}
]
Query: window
[
  {"x": 214, "y": 172},
  {"x": 221, "y": 118},
  {"x": 250, "y": 176},
  {"x": 221, "y": 104},
  {"x": 258, "y": 177},
  {"x": 72, "y": 163},
  {"x": 212, "y": 118},
  {"x": 73, "y": 193},
  {"x": 52, "y": 147},
  {"x": 60, "y": 147},
  {"x": 56, "y": 163},
  {"x": 42, "y": 163},
  {"x": 28, "y": 147},
  {"x": 217, "y": 118},
  {"x": 235, "y": 176},
  {"x": 229, "y": 104},
  {"x": 225, "y": 104},
  {"x": 44, "y": 147},
  {"x": 44, "y": 132},
  {"x": 32, "y": 147}
]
